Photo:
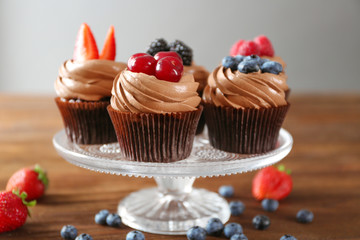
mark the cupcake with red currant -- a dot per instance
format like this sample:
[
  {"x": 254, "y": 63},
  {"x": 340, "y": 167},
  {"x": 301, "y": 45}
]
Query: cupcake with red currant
[
  {"x": 260, "y": 46},
  {"x": 190, "y": 67},
  {"x": 245, "y": 104},
  {"x": 155, "y": 108},
  {"x": 83, "y": 87}
]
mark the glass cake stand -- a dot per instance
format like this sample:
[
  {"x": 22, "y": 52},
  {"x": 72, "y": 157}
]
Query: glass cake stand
[{"x": 174, "y": 206}]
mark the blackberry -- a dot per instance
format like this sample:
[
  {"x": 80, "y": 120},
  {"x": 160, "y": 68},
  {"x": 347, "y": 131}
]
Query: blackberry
[
  {"x": 158, "y": 45},
  {"x": 183, "y": 50}
]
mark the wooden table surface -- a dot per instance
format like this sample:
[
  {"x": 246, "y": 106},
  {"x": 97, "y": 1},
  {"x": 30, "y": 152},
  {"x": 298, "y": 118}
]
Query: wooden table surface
[{"x": 325, "y": 163}]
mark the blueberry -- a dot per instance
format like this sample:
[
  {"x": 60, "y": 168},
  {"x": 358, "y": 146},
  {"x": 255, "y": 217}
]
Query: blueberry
[
  {"x": 239, "y": 58},
  {"x": 287, "y": 237},
  {"x": 68, "y": 232},
  {"x": 100, "y": 217},
  {"x": 238, "y": 236},
  {"x": 248, "y": 66},
  {"x": 270, "y": 205},
  {"x": 226, "y": 191},
  {"x": 214, "y": 227},
  {"x": 252, "y": 57},
  {"x": 261, "y": 222},
  {"x": 113, "y": 220},
  {"x": 135, "y": 235},
  {"x": 304, "y": 216},
  {"x": 84, "y": 236},
  {"x": 236, "y": 208},
  {"x": 196, "y": 233},
  {"x": 262, "y": 61},
  {"x": 231, "y": 229},
  {"x": 229, "y": 62},
  {"x": 271, "y": 67}
]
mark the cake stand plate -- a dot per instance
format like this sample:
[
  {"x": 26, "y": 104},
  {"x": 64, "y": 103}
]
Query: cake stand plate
[{"x": 174, "y": 206}]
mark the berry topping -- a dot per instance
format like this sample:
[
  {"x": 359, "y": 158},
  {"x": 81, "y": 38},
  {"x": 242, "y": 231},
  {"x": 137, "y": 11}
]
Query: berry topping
[
  {"x": 235, "y": 48},
  {"x": 304, "y": 216},
  {"x": 109, "y": 49},
  {"x": 230, "y": 62},
  {"x": 238, "y": 236},
  {"x": 100, "y": 217},
  {"x": 113, "y": 220},
  {"x": 68, "y": 232},
  {"x": 236, "y": 208},
  {"x": 160, "y": 55},
  {"x": 142, "y": 63},
  {"x": 135, "y": 235},
  {"x": 265, "y": 46},
  {"x": 270, "y": 205},
  {"x": 226, "y": 191},
  {"x": 84, "y": 236},
  {"x": 263, "y": 60},
  {"x": 85, "y": 46},
  {"x": 196, "y": 233},
  {"x": 232, "y": 228},
  {"x": 261, "y": 222},
  {"x": 288, "y": 237},
  {"x": 239, "y": 58},
  {"x": 252, "y": 57},
  {"x": 248, "y": 66},
  {"x": 271, "y": 67},
  {"x": 214, "y": 227},
  {"x": 183, "y": 50},
  {"x": 272, "y": 183},
  {"x": 158, "y": 45},
  {"x": 169, "y": 69},
  {"x": 248, "y": 48}
]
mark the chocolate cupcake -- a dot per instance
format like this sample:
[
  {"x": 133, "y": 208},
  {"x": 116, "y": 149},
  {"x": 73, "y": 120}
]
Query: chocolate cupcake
[
  {"x": 245, "y": 105},
  {"x": 155, "y": 119}
]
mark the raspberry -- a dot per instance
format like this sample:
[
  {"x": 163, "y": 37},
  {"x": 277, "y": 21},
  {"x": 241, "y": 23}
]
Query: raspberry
[
  {"x": 248, "y": 48},
  {"x": 235, "y": 48},
  {"x": 183, "y": 50},
  {"x": 265, "y": 46},
  {"x": 158, "y": 45}
]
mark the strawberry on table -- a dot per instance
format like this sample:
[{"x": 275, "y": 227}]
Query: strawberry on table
[
  {"x": 13, "y": 210},
  {"x": 272, "y": 183},
  {"x": 33, "y": 181},
  {"x": 109, "y": 49},
  {"x": 85, "y": 46}
]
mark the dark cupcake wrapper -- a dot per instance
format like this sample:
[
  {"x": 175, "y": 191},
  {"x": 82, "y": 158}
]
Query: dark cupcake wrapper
[
  {"x": 149, "y": 137},
  {"x": 244, "y": 131},
  {"x": 287, "y": 94},
  {"x": 86, "y": 122},
  {"x": 201, "y": 124}
]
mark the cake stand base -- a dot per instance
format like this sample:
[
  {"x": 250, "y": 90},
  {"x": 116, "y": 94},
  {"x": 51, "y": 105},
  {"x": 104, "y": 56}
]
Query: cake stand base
[{"x": 172, "y": 208}]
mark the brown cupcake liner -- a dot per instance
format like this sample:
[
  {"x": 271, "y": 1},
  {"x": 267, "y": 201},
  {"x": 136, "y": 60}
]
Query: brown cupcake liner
[
  {"x": 148, "y": 137},
  {"x": 287, "y": 94},
  {"x": 244, "y": 131},
  {"x": 86, "y": 122},
  {"x": 201, "y": 124}
]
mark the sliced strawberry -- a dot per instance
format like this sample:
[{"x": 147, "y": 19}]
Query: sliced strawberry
[
  {"x": 265, "y": 46},
  {"x": 235, "y": 47},
  {"x": 109, "y": 49},
  {"x": 85, "y": 45}
]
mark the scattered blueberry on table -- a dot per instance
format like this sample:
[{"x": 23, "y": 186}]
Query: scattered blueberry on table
[
  {"x": 288, "y": 237},
  {"x": 231, "y": 229},
  {"x": 261, "y": 222},
  {"x": 100, "y": 217},
  {"x": 214, "y": 227},
  {"x": 238, "y": 236},
  {"x": 68, "y": 232},
  {"x": 135, "y": 235},
  {"x": 236, "y": 208},
  {"x": 195, "y": 233},
  {"x": 113, "y": 220},
  {"x": 304, "y": 216},
  {"x": 226, "y": 191},
  {"x": 84, "y": 236},
  {"x": 270, "y": 205}
]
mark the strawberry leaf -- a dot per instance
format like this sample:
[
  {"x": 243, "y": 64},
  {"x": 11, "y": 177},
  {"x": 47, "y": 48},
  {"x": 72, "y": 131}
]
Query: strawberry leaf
[{"x": 42, "y": 175}]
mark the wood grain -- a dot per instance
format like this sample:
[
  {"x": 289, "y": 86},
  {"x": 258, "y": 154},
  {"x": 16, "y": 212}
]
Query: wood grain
[{"x": 325, "y": 162}]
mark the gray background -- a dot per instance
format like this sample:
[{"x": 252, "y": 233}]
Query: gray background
[{"x": 319, "y": 40}]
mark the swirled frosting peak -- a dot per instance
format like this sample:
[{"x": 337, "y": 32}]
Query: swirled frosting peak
[
  {"x": 142, "y": 93},
  {"x": 89, "y": 80}
]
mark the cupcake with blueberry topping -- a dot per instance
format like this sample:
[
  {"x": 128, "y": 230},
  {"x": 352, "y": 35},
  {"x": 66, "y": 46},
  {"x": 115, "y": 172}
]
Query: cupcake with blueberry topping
[
  {"x": 155, "y": 108},
  {"x": 245, "y": 104},
  {"x": 83, "y": 87}
]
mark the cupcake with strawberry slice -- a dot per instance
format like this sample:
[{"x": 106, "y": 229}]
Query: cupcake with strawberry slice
[
  {"x": 83, "y": 87},
  {"x": 155, "y": 108}
]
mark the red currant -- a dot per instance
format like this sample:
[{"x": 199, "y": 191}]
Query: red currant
[
  {"x": 169, "y": 69},
  {"x": 143, "y": 63},
  {"x": 160, "y": 55}
]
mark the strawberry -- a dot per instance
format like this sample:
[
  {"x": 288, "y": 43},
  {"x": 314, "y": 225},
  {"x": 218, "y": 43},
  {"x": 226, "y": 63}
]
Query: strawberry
[
  {"x": 109, "y": 50},
  {"x": 33, "y": 181},
  {"x": 248, "y": 48},
  {"x": 272, "y": 183},
  {"x": 235, "y": 48},
  {"x": 85, "y": 45},
  {"x": 13, "y": 210},
  {"x": 265, "y": 46}
]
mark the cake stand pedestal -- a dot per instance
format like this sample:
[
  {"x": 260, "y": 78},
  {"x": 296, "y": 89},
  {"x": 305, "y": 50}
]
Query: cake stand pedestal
[{"x": 174, "y": 206}]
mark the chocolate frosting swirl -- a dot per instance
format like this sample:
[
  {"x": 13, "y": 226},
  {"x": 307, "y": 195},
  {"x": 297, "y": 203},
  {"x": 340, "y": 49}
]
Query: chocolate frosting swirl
[
  {"x": 142, "y": 93},
  {"x": 240, "y": 90},
  {"x": 200, "y": 74},
  {"x": 90, "y": 80}
]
